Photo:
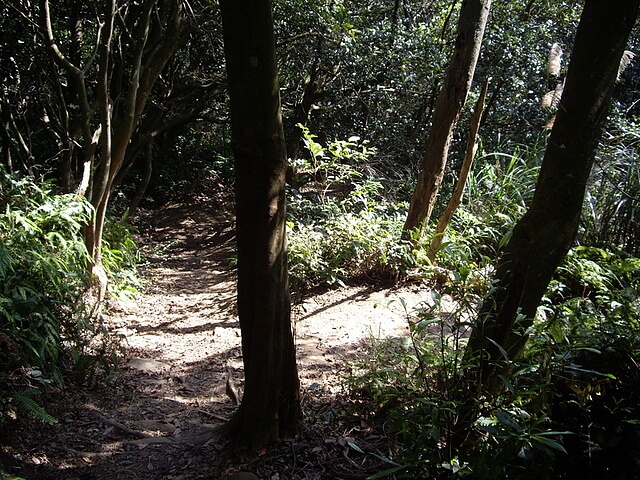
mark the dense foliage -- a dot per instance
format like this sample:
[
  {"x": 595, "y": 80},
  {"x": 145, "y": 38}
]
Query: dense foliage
[
  {"x": 358, "y": 86},
  {"x": 49, "y": 326}
]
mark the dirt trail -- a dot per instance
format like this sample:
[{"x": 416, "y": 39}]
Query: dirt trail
[{"x": 182, "y": 338}]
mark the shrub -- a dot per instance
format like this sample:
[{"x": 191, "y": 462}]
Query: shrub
[
  {"x": 340, "y": 223},
  {"x": 570, "y": 405},
  {"x": 47, "y": 327}
]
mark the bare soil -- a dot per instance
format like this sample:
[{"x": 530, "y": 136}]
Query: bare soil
[{"x": 154, "y": 419}]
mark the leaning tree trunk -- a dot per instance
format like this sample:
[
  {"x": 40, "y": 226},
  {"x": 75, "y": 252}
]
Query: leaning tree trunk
[
  {"x": 548, "y": 229},
  {"x": 471, "y": 25},
  {"x": 456, "y": 197},
  {"x": 270, "y": 406}
]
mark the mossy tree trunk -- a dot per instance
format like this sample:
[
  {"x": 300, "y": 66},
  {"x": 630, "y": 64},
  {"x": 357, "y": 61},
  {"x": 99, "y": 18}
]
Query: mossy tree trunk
[
  {"x": 548, "y": 229},
  {"x": 270, "y": 406},
  {"x": 471, "y": 25}
]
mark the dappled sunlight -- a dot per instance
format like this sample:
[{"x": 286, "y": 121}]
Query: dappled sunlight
[{"x": 183, "y": 347}]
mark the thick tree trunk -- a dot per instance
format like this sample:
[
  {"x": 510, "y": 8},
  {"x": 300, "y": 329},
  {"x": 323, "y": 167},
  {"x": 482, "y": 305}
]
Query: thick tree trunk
[
  {"x": 270, "y": 406},
  {"x": 548, "y": 229},
  {"x": 471, "y": 25}
]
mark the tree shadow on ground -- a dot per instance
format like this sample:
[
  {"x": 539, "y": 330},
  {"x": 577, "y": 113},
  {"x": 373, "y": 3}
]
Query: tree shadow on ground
[
  {"x": 157, "y": 422},
  {"x": 159, "y": 425}
]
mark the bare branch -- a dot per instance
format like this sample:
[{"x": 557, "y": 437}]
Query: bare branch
[{"x": 58, "y": 56}]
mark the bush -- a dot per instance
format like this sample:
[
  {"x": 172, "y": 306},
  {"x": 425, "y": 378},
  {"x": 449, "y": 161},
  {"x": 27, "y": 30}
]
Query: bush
[
  {"x": 42, "y": 268},
  {"x": 570, "y": 406},
  {"x": 592, "y": 331},
  {"x": 47, "y": 327},
  {"x": 340, "y": 223}
]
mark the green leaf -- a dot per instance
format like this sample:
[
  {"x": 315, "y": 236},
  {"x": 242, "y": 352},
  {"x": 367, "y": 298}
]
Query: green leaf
[
  {"x": 385, "y": 473},
  {"x": 506, "y": 419},
  {"x": 387, "y": 460},
  {"x": 547, "y": 442},
  {"x": 503, "y": 352}
]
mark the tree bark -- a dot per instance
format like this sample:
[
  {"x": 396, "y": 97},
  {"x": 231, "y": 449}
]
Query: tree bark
[
  {"x": 143, "y": 185},
  {"x": 471, "y": 25},
  {"x": 548, "y": 229},
  {"x": 456, "y": 198},
  {"x": 270, "y": 405},
  {"x": 5, "y": 115},
  {"x": 126, "y": 74}
]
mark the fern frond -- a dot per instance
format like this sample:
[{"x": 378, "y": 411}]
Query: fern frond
[
  {"x": 24, "y": 401},
  {"x": 627, "y": 58},
  {"x": 555, "y": 60}
]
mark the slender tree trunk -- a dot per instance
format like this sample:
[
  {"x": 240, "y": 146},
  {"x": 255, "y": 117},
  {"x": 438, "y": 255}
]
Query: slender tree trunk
[
  {"x": 270, "y": 405},
  {"x": 471, "y": 25},
  {"x": 456, "y": 198},
  {"x": 126, "y": 73},
  {"x": 144, "y": 183},
  {"x": 548, "y": 229},
  {"x": 5, "y": 114},
  {"x": 313, "y": 90}
]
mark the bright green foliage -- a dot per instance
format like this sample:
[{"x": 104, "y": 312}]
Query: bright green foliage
[
  {"x": 340, "y": 224},
  {"x": 498, "y": 191},
  {"x": 598, "y": 287},
  {"x": 47, "y": 326},
  {"x": 42, "y": 267},
  {"x": 121, "y": 259},
  {"x": 344, "y": 223},
  {"x": 346, "y": 246}
]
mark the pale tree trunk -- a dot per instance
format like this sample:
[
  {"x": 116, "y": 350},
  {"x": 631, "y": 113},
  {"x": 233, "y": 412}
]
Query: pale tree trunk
[
  {"x": 471, "y": 25},
  {"x": 548, "y": 229},
  {"x": 136, "y": 65},
  {"x": 270, "y": 406},
  {"x": 5, "y": 114},
  {"x": 456, "y": 198}
]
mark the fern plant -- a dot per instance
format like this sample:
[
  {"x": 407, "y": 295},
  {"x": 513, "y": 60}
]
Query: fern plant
[
  {"x": 25, "y": 402},
  {"x": 42, "y": 267}
]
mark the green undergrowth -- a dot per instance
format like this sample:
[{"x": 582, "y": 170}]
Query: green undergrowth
[
  {"x": 342, "y": 220},
  {"x": 570, "y": 407},
  {"x": 345, "y": 220},
  {"x": 570, "y": 403},
  {"x": 50, "y": 329}
]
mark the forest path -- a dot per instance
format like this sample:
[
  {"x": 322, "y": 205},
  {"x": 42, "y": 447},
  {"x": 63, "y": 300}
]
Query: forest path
[{"x": 182, "y": 339}]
